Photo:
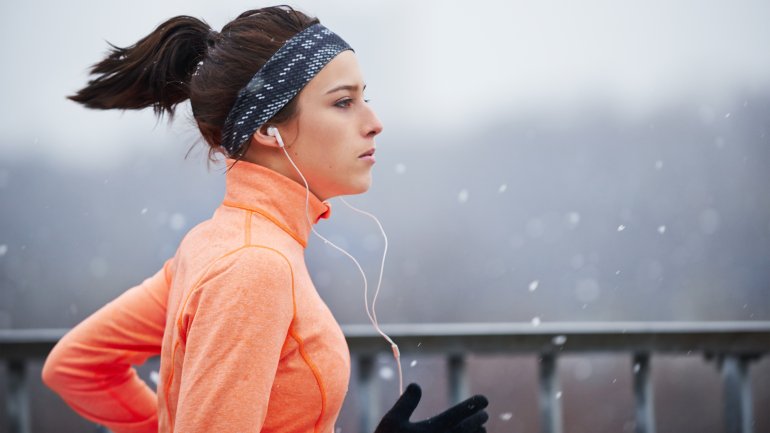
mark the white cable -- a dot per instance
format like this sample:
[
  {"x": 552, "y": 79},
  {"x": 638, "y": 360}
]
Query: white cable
[{"x": 373, "y": 314}]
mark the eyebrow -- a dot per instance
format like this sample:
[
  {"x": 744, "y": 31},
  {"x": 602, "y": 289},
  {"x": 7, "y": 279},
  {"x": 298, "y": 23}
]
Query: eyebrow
[{"x": 345, "y": 87}]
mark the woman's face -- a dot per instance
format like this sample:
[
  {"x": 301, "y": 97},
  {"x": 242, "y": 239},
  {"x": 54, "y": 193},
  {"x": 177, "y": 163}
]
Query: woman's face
[{"x": 331, "y": 137}]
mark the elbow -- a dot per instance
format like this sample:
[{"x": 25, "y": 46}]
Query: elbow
[
  {"x": 61, "y": 360},
  {"x": 51, "y": 367}
]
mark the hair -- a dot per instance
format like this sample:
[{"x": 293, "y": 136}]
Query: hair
[{"x": 184, "y": 58}]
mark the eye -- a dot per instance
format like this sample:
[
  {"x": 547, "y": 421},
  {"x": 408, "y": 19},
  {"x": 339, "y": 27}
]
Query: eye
[{"x": 343, "y": 103}]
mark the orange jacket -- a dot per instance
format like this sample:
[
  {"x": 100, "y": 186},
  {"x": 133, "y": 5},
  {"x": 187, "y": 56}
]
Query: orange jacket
[{"x": 246, "y": 343}]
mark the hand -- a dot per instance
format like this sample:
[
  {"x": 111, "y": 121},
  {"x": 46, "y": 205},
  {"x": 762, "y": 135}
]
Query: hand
[{"x": 465, "y": 417}]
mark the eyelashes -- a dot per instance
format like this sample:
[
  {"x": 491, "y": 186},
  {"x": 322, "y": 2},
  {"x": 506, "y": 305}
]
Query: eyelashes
[{"x": 345, "y": 103}]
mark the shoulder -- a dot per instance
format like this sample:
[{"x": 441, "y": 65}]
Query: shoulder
[
  {"x": 246, "y": 284},
  {"x": 249, "y": 267}
]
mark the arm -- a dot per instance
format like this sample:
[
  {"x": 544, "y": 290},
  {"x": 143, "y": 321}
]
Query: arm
[
  {"x": 235, "y": 326},
  {"x": 91, "y": 366}
]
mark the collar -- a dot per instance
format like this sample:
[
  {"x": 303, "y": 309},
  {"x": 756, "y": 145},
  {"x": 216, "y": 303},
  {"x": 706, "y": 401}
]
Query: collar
[{"x": 258, "y": 189}]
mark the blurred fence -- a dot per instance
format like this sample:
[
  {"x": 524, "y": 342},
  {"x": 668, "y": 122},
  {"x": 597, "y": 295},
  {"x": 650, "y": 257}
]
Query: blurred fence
[{"x": 732, "y": 345}]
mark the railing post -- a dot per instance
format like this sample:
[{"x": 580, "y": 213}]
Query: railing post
[
  {"x": 367, "y": 392},
  {"x": 550, "y": 404},
  {"x": 458, "y": 379},
  {"x": 738, "y": 410},
  {"x": 17, "y": 403},
  {"x": 643, "y": 394}
]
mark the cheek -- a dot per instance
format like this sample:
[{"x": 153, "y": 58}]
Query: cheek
[
  {"x": 329, "y": 141},
  {"x": 329, "y": 137}
]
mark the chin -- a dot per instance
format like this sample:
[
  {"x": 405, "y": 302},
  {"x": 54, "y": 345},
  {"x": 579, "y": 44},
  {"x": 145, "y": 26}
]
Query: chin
[{"x": 360, "y": 187}]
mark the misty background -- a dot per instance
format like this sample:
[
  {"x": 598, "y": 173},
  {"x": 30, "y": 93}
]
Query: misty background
[{"x": 540, "y": 162}]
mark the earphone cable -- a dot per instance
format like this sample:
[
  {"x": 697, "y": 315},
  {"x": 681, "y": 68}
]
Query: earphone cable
[{"x": 373, "y": 314}]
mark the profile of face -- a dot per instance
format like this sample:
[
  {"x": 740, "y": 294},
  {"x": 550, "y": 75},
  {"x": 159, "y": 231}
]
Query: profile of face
[{"x": 331, "y": 136}]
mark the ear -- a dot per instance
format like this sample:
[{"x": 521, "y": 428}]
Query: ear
[{"x": 261, "y": 138}]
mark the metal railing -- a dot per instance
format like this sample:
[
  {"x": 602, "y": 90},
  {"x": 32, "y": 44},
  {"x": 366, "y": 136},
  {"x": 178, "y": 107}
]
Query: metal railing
[{"x": 734, "y": 345}]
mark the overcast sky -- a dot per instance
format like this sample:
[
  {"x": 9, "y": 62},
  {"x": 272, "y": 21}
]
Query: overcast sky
[{"x": 430, "y": 65}]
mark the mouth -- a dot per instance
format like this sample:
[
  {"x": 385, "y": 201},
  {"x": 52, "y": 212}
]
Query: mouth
[{"x": 369, "y": 152}]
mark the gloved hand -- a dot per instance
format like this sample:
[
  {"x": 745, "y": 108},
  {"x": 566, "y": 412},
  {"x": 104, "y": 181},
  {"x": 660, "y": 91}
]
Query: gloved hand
[{"x": 466, "y": 417}]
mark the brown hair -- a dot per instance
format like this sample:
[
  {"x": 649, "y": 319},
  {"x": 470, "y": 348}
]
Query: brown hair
[{"x": 184, "y": 58}]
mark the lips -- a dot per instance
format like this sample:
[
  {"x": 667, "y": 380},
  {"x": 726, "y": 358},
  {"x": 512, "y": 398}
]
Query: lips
[{"x": 369, "y": 152}]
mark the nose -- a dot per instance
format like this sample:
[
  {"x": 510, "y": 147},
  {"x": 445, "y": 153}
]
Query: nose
[{"x": 373, "y": 126}]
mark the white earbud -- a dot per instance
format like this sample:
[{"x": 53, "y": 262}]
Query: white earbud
[{"x": 273, "y": 132}]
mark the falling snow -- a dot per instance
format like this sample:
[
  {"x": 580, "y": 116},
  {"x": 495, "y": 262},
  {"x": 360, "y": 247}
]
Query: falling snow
[
  {"x": 144, "y": 211},
  {"x": 559, "y": 340},
  {"x": 462, "y": 196},
  {"x": 502, "y": 188},
  {"x": 386, "y": 373},
  {"x": 533, "y": 285},
  {"x": 506, "y": 416},
  {"x": 3, "y": 249},
  {"x": 621, "y": 228},
  {"x": 661, "y": 229},
  {"x": 177, "y": 222},
  {"x": 154, "y": 377},
  {"x": 413, "y": 363},
  {"x": 573, "y": 218},
  {"x": 535, "y": 321}
]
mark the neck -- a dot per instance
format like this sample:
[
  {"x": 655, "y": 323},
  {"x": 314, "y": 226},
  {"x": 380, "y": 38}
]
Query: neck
[{"x": 274, "y": 159}]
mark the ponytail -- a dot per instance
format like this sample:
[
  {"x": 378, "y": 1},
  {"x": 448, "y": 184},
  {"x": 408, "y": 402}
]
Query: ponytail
[
  {"x": 184, "y": 58},
  {"x": 155, "y": 71}
]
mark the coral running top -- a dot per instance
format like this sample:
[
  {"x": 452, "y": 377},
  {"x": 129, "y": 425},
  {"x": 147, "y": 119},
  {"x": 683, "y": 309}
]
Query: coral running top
[{"x": 246, "y": 343}]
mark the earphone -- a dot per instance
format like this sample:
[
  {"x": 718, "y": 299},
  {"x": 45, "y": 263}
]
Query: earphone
[{"x": 273, "y": 132}]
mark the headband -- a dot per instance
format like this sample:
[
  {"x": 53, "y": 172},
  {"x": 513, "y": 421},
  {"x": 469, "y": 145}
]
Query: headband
[{"x": 280, "y": 79}]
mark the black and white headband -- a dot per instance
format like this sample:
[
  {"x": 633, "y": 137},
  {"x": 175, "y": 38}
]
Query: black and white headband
[{"x": 279, "y": 80}]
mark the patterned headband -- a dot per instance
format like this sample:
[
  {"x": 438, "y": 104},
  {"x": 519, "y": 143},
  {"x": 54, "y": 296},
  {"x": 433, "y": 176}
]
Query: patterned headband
[{"x": 280, "y": 79}]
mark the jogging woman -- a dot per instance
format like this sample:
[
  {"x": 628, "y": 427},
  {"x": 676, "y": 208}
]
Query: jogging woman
[{"x": 245, "y": 342}]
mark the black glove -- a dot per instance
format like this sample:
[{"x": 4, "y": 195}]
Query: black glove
[{"x": 466, "y": 417}]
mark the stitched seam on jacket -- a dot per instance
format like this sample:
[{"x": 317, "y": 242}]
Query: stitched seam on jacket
[
  {"x": 247, "y": 241},
  {"x": 314, "y": 370},
  {"x": 267, "y": 215}
]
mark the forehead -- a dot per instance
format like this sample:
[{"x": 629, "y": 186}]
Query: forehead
[{"x": 342, "y": 69}]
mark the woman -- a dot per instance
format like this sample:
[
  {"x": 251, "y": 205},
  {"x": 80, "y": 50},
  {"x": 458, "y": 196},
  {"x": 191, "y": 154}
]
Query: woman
[{"x": 246, "y": 343}]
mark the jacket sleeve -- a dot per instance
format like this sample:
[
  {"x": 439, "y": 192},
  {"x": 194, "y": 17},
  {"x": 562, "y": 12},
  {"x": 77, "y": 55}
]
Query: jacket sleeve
[
  {"x": 91, "y": 366},
  {"x": 235, "y": 326}
]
